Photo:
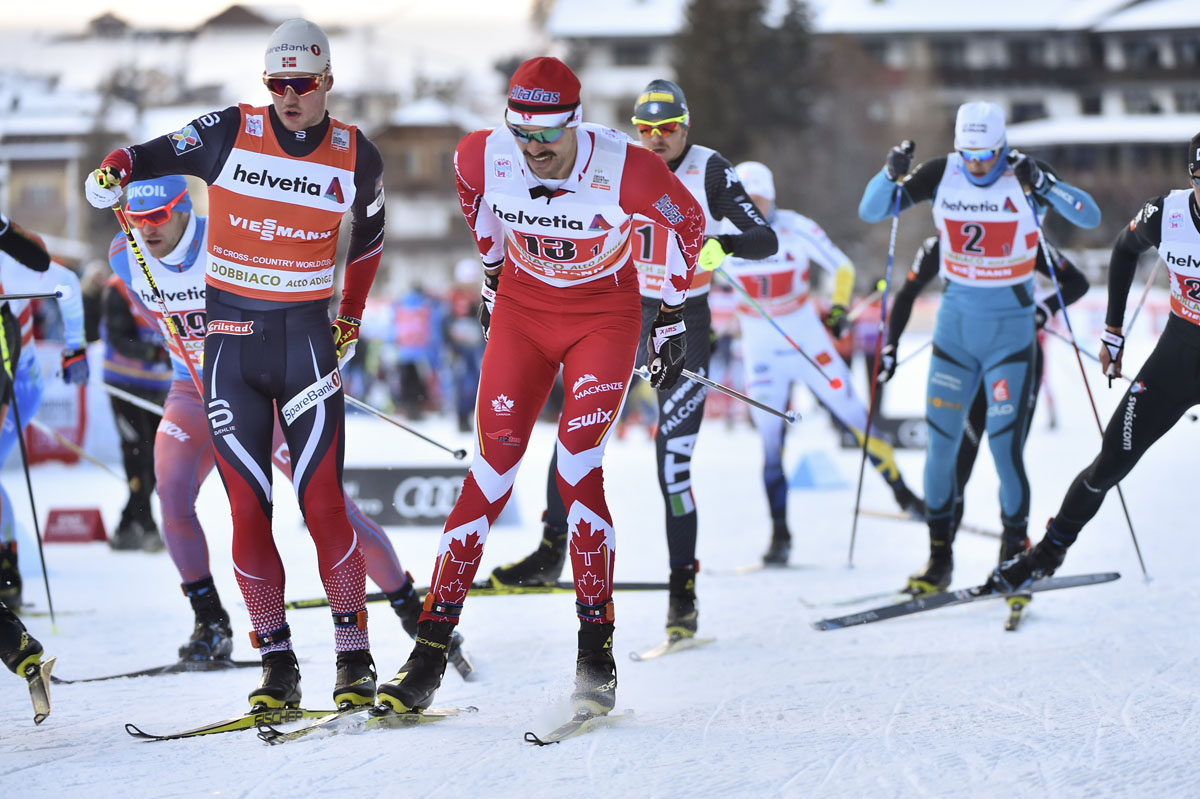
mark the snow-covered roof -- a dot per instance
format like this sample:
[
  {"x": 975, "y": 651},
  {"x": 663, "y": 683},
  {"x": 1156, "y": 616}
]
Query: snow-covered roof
[
  {"x": 1140, "y": 129},
  {"x": 429, "y": 111},
  {"x": 1153, "y": 15},
  {"x": 584, "y": 19},
  {"x": 910, "y": 16},
  {"x": 36, "y": 106}
]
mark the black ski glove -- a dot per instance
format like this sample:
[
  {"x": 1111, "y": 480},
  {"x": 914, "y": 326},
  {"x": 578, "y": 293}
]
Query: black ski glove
[
  {"x": 665, "y": 348},
  {"x": 487, "y": 294}
]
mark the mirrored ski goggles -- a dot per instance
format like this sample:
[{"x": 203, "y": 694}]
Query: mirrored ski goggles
[
  {"x": 978, "y": 155},
  {"x": 155, "y": 217},
  {"x": 300, "y": 84},
  {"x": 1196, "y": 181},
  {"x": 543, "y": 135},
  {"x": 661, "y": 127}
]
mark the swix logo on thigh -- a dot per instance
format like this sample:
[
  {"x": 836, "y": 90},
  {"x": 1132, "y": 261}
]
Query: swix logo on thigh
[
  {"x": 597, "y": 416},
  {"x": 1000, "y": 390},
  {"x": 229, "y": 328},
  {"x": 308, "y": 398}
]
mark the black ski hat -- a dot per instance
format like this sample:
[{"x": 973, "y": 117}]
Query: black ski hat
[
  {"x": 661, "y": 99},
  {"x": 1194, "y": 154}
]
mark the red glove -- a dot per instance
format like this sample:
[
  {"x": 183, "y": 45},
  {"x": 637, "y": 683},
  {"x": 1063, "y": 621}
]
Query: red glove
[{"x": 345, "y": 337}]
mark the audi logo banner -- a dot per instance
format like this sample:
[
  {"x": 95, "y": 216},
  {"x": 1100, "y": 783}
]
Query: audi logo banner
[{"x": 411, "y": 496}]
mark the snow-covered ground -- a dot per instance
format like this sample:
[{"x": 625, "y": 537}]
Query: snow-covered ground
[{"x": 1098, "y": 693}]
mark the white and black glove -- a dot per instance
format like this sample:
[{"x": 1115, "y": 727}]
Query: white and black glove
[
  {"x": 665, "y": 348},
  {"x": 1026, "y": 171},
  {"x": 1110, "y": 354},
  {"x": 887, "y": 364},
  {"x": 103, "y": 187},
  {"x": 487, "y": 293},
  {"x": 899, "y": 160}
]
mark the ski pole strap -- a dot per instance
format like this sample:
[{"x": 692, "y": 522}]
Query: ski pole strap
[
  {"x": 357, "y": 619},
  {"x": 601, "y": 613},
  {"x": 274, "y": 637}
]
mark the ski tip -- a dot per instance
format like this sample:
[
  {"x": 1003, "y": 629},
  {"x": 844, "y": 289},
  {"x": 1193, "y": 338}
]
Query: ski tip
[
  {"x": 135, "y": 732},
  {"x": 532, "y": 738},
  {"x": 635, "y": 656}
]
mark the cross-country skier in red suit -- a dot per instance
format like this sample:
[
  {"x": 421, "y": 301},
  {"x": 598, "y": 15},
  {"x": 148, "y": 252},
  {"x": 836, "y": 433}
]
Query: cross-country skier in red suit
[
  {"x": 551, "y": 203},
  {"x": 280, "y": 177}
]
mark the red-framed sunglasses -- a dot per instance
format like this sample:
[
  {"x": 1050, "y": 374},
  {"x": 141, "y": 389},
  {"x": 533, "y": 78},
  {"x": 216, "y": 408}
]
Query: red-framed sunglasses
[
  {"x": 300, "y": 84},
  {"x": 155, "y": 217}
]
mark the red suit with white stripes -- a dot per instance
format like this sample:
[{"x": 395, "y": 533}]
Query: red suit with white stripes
[{"x": 568, "y": 296}]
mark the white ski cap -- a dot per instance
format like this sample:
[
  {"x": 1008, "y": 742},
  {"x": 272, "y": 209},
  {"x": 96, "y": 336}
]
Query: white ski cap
[
  {"x": 297, "y": 46},
  {"x": 756, "y": 179},
  {"x": 979, "y": 126}
]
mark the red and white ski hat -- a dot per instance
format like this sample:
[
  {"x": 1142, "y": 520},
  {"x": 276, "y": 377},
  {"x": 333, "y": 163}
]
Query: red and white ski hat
[
  {"x": 544, "y": 92},
  {"x": 979, "y": 126},
  {"x": 756, "y": 179},
  {"x": 297, "y": 46}
]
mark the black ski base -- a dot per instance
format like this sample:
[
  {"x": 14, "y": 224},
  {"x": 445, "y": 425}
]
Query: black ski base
[
  {"x": 948, "y": 598},
  {"x": 180, "y": 667}
]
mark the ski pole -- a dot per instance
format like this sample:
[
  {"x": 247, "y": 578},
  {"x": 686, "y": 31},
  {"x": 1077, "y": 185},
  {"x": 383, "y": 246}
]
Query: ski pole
[
  {"x": 47, "y": 295},
  {"x": 874, "y": 387},
  {"x": 1079, "y": 359},
  {"x": 459, "y": 454},
  {"x": 78, "y": 450},
  {"x": 133, "y": 399},
  {"x": 914, "y": 353},
  {"x": 168, "y": 320},
  {"x": 6, "y": 354},
  {"x": 834, "y": 382},
  {"x": 862, "y": 305},
  {"x": 1142, "y": 301},
  {"x": 1092, "y": 356},
  {"x": 787, "y": 416}
]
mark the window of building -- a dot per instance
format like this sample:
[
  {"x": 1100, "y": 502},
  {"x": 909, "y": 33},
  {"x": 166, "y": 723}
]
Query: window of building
[
  {"x": 1090, "y": 104},
  {"x": 1141, "y": 102},
  {"x": 1026, "y": 54},
  {"x": 631, "y": 54},
  {"x": 877, "y": 50},
  {"x": 1023, "y": 112},
  {"x": 1187, "y": 101},
  {"x": 949, "y": 54},
  {"x": 1140, "y": 54},
  {"x": 1187, "y": 51}
]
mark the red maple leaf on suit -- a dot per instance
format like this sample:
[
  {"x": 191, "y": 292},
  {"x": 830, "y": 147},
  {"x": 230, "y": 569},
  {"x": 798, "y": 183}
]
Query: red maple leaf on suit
[
  {"x": 591, "y": 586},
  {"x": 466, "y": 552},
  {"x": 681, "y": 282},
  {"x": 588, "y": 541}
]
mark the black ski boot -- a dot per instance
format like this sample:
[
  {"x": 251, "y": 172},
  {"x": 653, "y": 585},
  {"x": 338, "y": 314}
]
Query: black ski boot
[
  {"x": 18, "y": 649},
  {"x": 355, "y": 683},
  {"x": 595, "y": 691},
  {"x": 280, "y": 684},
  {"x": 1013, "y": 541},
  {"x": 781, "y": 545},
  {"x": 128, "y": 535},
  {"x": 419, "y": 678},
  {"x": 10, "y": 575},
  {"x": 541, "y": 567},
  {"x": 938, "y": 571},
  {"x": 151, "y": 538},
  {"x": 212, "y": 637},
  {"x": 407, "y": 605},
  {"x": 909, "y": 502},
  {"x": 1032, "y": 564},
  {"x": 683, "y": 617}
]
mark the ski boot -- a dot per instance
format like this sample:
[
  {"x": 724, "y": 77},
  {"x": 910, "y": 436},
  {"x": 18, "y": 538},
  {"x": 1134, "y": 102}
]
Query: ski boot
[
  {"x": 781, "y": 545},
  {"x": 280, "y": 684},
  {"x": 909, "y": 502},
  {"x": 936, "y": 574},
  {"x": 128, "y": 535},
  {"x": 18, "y": 649},
  {"x": 683, "y": 617},
  {"x": 595, "y": 691},
  {"x": 541, "y": 567},
  {"x": 1014, "y": 541},
  {"x": 151, "y": 538},
  {"x": 10, "y": 575},
  {"x": 419, "y": 678},
  {"x": 212, "y": 637},
  {"x": 1032, "y": 564},
  {"x": 407, "y": 605},
  {"x": 355, "y": 683}
]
